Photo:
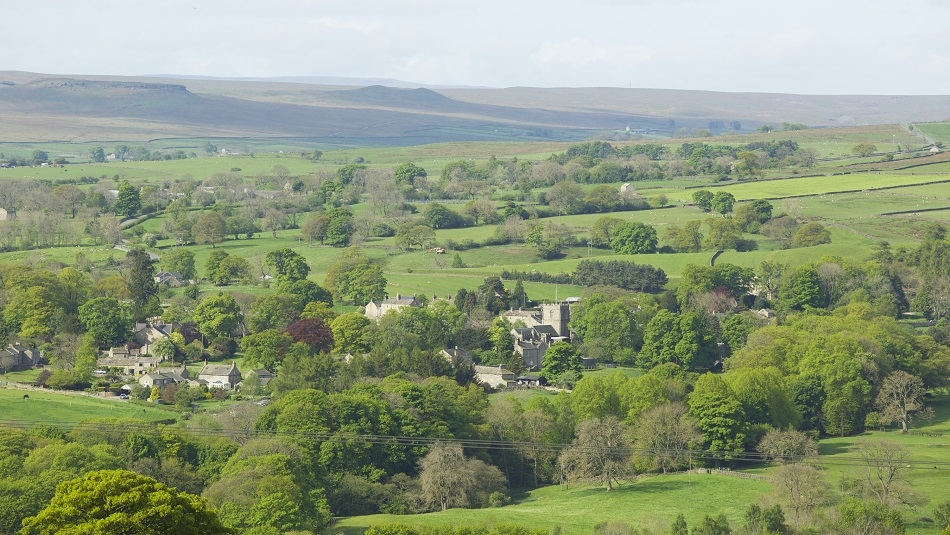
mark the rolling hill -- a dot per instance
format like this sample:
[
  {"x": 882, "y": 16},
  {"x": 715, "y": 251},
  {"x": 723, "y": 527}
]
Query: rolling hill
[{"x": 43, "y": 108}]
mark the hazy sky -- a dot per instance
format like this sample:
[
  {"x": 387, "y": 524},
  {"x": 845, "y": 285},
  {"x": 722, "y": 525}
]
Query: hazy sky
[{"x": 802, "y": 46}]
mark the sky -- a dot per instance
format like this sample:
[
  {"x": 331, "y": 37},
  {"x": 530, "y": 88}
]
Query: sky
[{"x": 890, "y": 47}]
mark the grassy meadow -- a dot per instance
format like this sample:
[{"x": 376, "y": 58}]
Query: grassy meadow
[{"x": 55, "y": 408}]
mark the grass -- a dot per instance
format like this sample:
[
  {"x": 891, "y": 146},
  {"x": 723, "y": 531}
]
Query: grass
[
  {"x": 938, "y": 131},
  {"x": 648, "y": 502},
  {"x": 70, "y": 408}
]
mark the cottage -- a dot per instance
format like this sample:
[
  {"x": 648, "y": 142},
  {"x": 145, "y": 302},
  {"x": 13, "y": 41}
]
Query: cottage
[
  {"x": 494, "y": 376},
  {"x": 172, "y": 279},
  {"x": 7, "y": 215},
  {"x": 377, "y": 309},
  {"x": 19, "y": 357},
  {"x": 163, "y": 378},
  {"x": 456, "y": 355},
  {"x": 220, "y": 375},
  {"x": 150, "y": 332}
]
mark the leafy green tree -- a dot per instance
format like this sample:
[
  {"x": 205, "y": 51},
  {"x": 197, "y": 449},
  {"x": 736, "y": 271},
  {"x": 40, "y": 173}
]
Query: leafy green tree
[
  {"x": 354, "y": 278},
  {"x": 559, "y": 359},
  {"x": 266, "y": 348},
  {"x": 811, "y": 234},
  {"x": 439, "y": 216},
  {"x": 864, "y": 149},
  {"x": 107, "y": 502},
  {"x": 349, "y": 332},
  {"x": 685, "y": 239},
  {"x": 290, "y": 265},
  {"x": 128, "y": 201},
  {"x": 611, "y": 332},
  {"x": 409, "y": 235},
  {"x": 747, "y": 164},
  {"x": 214, "y": 261},
  {"x": 763, "y": 396},
  {"x": 217, "y": 315},
  {"x": 565, "y": 197},
  {"x": 703, "y": 199},
  {"x": 634, "y": 237},
  {"x": 405, "y": 174},
  {"x": 308, "y": 292},
  {"x": 315, "y": 228},
  {"x": 231, "y": 267},
  {"x": 180, "y": 260},
  {"x": 97, "y": 154},
  {"x": 339, "y": 227},
  {"x": 722, "y": 202},
  {"x": 106, "y": 320},
  {"x": 602, "y": 230},
  {"x": 139, "y": 277},
  {"x": 210, "y": 228},
  {"x": 273, "y": 311},
  {"x": 723, "y": 234},
  {"x": 681, "y": 339},
  {"x": 719, "y": 416}
]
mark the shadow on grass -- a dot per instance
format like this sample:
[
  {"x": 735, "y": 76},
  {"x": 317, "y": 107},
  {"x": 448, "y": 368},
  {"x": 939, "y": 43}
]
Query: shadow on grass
[{"x": 834, "y": 448}]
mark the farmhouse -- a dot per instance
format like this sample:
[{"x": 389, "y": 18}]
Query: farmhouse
[
  {"x": 494, "y": 376},
  {"x": 377, "y": 309},
  {"x": 456, "y": 355},
  {"x": 7, "y": 215},
  {"x": 220, "y": 375},
  {"x": 130, "y": 361},
  {"x": 19, "y": 357},
  {"x": 148, "y": 333},
  {"x": 163, "y": 378},
  {"x": 172, "y": 279}
]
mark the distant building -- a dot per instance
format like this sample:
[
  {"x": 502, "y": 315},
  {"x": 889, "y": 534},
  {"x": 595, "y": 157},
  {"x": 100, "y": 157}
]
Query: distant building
[
  {"x": 494, "y": 376},
  {"x": 7, "y": 215},
  {"x": 171, "y": 279},
  {"x": 150, "y": 332},
  {"x": 377, "y": 309},
  {"x": 220, "y": 375},
  {"x": 456, "y": 355},
  {"x": 165, "y": 377},
  {"x": 19, "y": 357}
]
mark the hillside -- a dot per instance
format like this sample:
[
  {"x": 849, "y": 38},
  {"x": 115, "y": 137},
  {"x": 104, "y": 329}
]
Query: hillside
[{"x": 42, "y": 108}]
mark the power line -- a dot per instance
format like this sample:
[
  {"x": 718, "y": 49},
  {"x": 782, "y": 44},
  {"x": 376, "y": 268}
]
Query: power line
[{"x": 499, "y": 445}]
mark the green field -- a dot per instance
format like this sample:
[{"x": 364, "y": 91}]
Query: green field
[
  {"x": 938, "y": 131},
  {"x": 64, "y": 409},
  {"x": 654, "y": 501},
  {"x": 646, "y": 502}
]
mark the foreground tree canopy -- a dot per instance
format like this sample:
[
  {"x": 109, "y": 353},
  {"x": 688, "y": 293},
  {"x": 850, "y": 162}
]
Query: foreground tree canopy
[{"x": 109, "y": 502}]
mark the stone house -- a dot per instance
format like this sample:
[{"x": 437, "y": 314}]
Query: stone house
[
  {"x": 225, "y": 376},
  {"x": 377, "y": 309}
]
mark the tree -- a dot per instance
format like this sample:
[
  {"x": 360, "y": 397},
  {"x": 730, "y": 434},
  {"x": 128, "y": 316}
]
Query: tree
[
  {"x": 768, "y": 521},
  {"x": 349, "y": 332},
  {"x": 214, "y": 262},
  {"x": 634, "y": 237},
  {"x": 139, "y": 276},
  {"x": 448, "y": 479},
  {"x": 273, "y": 311},
  {"x": 405, "y": 174},
  {"x": 565, "y": 197},
  {"x": 217, "y": 315},
  {"x": 339, "y": 227},
  {"x": 787, "y": 446},
  {"x": 127, "y": 201},
  {"x": 356, "y": 279},
  {"x": 901, "y": 395},
  {"x": 315, "y": 228},
  {"x": 864, "y": 149},
  {"x": 747, "y": 164},
  {"x": 722, "y": 202},
  {"x": 723, "y": 234},
  {"x": 230, "y": 267},
  {"x": 602, "y": 230},
  {"x": 409, "y": 234},
  {"x": 266, "y": 348},
  {"x": 665, "y": 435},
  {"x": 884, "y": 472},
  {"x": 559, "y": 359},
  {"x": 600, "y": 452},
  {"x": 801, "y": 487},
  {"x": 687, "y": 239},
  {"x": 703, "y": 199},
  {"x": 106, "y": 320},
  {"x": 811, "y": 234},
  {"x": 718, "y": 415},
  {"x": 210, "y": 228},
  {"x": 180, "y": 260},
  {"x": 312, "y": 332},
  {"x": 107, "y": 502},
  {"x": 290, "y": 265}
]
